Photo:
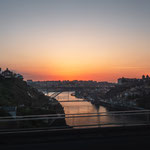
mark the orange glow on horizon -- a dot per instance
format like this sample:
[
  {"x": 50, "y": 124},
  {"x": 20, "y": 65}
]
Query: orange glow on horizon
[
  {"x": 107, "y": 75},
  {"x": 101, "y": 40}
]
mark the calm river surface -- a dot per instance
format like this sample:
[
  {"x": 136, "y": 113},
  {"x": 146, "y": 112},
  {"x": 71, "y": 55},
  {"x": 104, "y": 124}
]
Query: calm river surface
[{"x": 87, "y": 107}]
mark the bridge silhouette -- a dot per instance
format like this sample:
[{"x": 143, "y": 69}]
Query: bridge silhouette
[
  {"x": 65, "y": 101},
  {"x": 55, "y": 94}
]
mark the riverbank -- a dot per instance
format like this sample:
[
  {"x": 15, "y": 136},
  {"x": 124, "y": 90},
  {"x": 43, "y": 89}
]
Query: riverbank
[
  {"x": 115, "y": 106},
  {"x": 109, "y": 103},
  {"x": 19, "y": 99}
]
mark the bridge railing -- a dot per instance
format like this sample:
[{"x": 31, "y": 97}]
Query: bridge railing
[{"x": 83, "y": 120}]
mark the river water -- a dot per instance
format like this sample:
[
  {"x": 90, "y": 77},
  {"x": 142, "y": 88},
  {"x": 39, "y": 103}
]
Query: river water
[{"x": 87, "y": 107}]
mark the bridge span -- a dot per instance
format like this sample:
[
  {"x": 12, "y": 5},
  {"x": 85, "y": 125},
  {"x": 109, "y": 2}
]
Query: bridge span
[
  {"x": 64, "y": 101},
  {"x": 55, "y": 94}
]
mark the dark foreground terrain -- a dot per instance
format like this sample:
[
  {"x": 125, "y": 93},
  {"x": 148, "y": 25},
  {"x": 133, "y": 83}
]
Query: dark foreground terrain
[{"x": 94, "y": 138}]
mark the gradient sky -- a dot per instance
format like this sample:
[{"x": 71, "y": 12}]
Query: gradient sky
[{"x": 75, "y": 39}]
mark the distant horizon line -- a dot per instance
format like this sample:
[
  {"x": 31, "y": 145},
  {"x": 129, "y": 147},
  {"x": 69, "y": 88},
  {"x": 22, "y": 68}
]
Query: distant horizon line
[
  {"x": 80, "y": 80},
  {"x": 42, "y": 80},
  {"x": 65, "y": 80}
]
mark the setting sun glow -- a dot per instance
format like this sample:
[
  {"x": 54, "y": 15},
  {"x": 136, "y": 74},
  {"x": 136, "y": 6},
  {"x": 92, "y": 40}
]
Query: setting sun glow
[{"x": 75, "y": 40}]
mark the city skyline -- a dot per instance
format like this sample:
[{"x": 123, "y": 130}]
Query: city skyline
[{"x": 98, "y": 40}]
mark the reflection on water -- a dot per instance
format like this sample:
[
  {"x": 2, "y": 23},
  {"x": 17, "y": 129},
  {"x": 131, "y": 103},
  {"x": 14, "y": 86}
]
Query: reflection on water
[
  {"x": 87, "y": 107},
  {"x": 80, "y": 107}
]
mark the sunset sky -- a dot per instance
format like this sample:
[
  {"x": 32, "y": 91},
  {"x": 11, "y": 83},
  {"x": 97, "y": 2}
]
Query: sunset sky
[{"x": 75, "y": 39}]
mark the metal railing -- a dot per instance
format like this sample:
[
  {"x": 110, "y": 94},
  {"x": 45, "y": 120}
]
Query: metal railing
[{"x": 32, "y": 123}]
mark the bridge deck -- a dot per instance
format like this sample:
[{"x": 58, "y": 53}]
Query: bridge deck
[{"x": 72, "y": 101}]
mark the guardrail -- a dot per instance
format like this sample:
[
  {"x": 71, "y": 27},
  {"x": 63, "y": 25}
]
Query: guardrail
[{"x": 32, "y": 123}]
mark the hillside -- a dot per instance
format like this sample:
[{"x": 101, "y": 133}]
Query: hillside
[{"x": 15, "y": 92}]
